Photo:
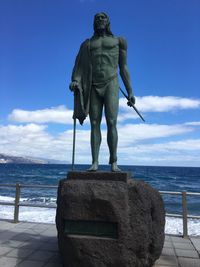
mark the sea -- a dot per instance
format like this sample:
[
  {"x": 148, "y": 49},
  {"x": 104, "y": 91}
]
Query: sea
[{"x": 177, "y": 179}]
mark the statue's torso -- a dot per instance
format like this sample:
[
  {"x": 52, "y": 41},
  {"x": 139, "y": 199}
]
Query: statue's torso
[{"x": 104, "y": 57}]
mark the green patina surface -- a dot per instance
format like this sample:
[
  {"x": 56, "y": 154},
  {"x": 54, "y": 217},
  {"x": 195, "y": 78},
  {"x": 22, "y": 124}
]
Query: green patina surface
[{"x": 95, "y": 85}]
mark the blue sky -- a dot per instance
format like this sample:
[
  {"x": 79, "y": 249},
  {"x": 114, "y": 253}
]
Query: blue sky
[{"x": 39, "y": 41}]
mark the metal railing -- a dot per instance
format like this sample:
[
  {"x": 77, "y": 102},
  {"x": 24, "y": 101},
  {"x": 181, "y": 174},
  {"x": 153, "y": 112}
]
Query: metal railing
[
  {"x": 17, "y": 203},
  {"x": 185, "y": 216}
]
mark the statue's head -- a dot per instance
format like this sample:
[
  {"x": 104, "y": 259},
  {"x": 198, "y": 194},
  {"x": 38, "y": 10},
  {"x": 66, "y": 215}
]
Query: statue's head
[{"x": 102, "y": 23}]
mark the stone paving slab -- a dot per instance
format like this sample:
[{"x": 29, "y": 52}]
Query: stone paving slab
[
  {"x": 196, "y": 243},
  {"x": 187, "y": 253},
  {"x": 9, "y": 262},
  {"x": 168, "y": 244},
  {"x": 179, "y": 252},
  {"x": 185, "y": 262},
  {"x": 35, "y": 245},
  {"x": 15, "y": 253},
  {"x": 166, "y": 261},
  {"x": 168, "y": 251},
  {"x": 178, "y": 239},
  {"x": 185, "y": 246}
]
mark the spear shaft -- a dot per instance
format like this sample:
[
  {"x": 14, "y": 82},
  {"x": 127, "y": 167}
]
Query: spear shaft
[
  {"x": 132, "y": 105},
  {"x": 74, "y": 142},
  {"x": 74, "y": 131}
]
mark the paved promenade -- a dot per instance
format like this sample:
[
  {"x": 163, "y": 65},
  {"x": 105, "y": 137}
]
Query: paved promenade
[{"x": 35, "y": 245}]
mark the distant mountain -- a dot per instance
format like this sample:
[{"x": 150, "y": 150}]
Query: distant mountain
[{"x": 27, "y": 160}]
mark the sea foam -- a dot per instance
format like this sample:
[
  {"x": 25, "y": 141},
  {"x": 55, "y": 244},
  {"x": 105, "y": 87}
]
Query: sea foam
[{"x": 47, "y": 215}]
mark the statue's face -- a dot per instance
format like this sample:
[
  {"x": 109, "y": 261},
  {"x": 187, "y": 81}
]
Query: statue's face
[{"x": 101, "y": 21}]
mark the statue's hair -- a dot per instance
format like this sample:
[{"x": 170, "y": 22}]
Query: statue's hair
[{"x": 108, "y": 30}]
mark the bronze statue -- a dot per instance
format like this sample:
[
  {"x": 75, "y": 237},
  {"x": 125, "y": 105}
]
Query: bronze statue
[{"x": 95, "y": 85}]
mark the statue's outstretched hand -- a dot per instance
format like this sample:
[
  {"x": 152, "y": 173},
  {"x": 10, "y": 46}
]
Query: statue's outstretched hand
[
  {"x": 73, "y": 85},
  {"x": 131, "y": 100}
]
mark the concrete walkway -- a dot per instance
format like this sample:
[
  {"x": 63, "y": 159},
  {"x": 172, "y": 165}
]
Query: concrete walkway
[{"x": 35, "y": 245}]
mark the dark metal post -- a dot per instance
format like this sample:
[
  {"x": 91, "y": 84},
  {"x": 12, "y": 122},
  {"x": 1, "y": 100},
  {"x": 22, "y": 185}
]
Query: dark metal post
[
  {"x": 74, "y": 128},
  {"x": 17, "y": 198},
  {"x": 185, "y": 214},
  {"x": 74, "y": 142}
]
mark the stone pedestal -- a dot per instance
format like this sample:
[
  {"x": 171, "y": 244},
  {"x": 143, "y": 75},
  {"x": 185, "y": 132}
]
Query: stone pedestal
[{"x": 108, "y": 220}]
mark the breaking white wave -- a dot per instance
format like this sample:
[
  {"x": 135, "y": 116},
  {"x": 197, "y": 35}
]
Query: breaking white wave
[
  {"x": 47, "y": 215},
  {"x": 29, "y": 214},
  {"x": 175, "y": 226},
  {"x": 41, "y": 200}
]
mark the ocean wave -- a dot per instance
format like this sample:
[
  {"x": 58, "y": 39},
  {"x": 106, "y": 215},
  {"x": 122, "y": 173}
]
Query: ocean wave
[
  {"x": 48, "y": 200},
  {"x": 47, "y": 215},
  {"x": 35, "y": 200},
  {"x": 29, "y": 214},
  {"x": 174, "y": 226},
  {"x": 7, "y": 199}
]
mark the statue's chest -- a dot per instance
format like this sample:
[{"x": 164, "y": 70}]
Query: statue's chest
[{"x": 103, "y": 44}]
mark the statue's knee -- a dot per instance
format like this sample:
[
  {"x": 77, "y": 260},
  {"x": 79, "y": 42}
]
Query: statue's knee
[
  {"x": 111, "y": 123},
  {"x": 94, "y": 123}
]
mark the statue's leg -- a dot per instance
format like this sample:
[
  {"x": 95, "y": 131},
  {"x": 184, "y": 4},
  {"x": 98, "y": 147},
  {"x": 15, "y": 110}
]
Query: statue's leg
[
  {"x": 111, "y": 112},
  {"x": 96, "y": 107}
]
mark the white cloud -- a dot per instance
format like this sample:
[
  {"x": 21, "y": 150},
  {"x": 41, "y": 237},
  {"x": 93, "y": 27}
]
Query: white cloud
[
  {"x": 161, "y": 104},
  {"x": 27, "y": 140},
  {"x": 193, "y": 123},
  {"x": 131, "y": 133},
  {"x": 58, "y": 114},
  {"x": 145, "y": 104},
  {"x": 172, "y": 146},
  {"x": 144, "y": 144},
  {"x": 34, "y": 140},
  {"x": 123, "y": 116},
  {"x": 172, "y": 153}
]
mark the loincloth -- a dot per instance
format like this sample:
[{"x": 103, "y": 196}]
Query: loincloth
[{"x": 102, "y": 88}]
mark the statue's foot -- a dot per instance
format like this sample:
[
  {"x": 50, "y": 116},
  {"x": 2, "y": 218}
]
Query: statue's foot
[
  {"x": 114, "y": 167},
  {"x": 94, "y": 167}
]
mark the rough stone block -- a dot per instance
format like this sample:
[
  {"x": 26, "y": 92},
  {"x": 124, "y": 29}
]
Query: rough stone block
[{"x": 109, "y": 222}]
